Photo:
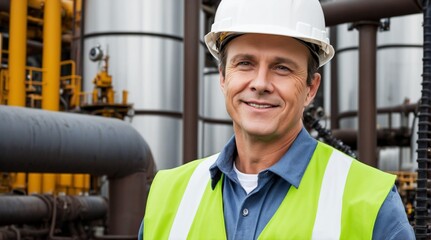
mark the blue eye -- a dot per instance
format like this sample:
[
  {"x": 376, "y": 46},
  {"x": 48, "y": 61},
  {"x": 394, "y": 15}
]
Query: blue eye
[
  {"x": 282, "y": 68},
  {"x": 244, "y": 63}
]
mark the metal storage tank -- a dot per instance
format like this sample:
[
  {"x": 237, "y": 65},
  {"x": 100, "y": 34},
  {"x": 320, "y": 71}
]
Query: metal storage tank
[
  {"x": 399, "y": 69},
  {"x": 214, "y": 130},
  {"x": 143, "y": 39}
]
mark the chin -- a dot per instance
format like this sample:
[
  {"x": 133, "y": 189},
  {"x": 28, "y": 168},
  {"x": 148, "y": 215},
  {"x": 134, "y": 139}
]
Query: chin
[{"x": 260, "y": 130}]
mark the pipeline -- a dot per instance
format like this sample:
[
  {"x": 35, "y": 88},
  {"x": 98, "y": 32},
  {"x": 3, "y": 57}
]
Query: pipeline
[
  {"x": 33, "y": 140},
  {"x": 344, "y": 11},
  {"x": 44, "y": 141},
  {"x": 41, "y": 215},
  {"x": 40, "y": 208},
  {"x": 324, "y": 134},
  {"x": 422, "y": 216}
]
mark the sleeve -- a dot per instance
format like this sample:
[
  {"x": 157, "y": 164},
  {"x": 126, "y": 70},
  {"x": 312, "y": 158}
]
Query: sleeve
[
  {"x": 141, "y": 231},
  {"x": 392, "y": 222}
]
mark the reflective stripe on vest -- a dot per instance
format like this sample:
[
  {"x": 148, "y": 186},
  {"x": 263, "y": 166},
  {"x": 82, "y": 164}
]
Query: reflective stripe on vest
[
  {"x": 328, "y": 218},
  {"x": 191, "y": 199}
]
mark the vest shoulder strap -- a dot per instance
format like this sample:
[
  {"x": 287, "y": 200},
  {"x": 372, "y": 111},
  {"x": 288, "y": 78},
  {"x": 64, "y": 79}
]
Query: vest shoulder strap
[
  {"x": 172, "y": 182},
  {"x": 191, "y": 199}
]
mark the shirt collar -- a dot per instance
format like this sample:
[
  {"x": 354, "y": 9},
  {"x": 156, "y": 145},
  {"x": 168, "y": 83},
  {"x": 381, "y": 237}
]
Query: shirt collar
[{"x": 290, "y": 167}]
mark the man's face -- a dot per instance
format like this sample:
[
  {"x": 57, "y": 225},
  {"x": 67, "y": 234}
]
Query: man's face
[{"x": 265, "y": 85}]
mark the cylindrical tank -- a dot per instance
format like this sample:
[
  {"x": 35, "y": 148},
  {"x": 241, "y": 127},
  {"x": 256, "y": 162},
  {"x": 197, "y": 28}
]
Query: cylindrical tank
[
  {"x": 214, "y": 128},
  {"x": 143, "y": 39},
  {"x": 399, "y": 68}
]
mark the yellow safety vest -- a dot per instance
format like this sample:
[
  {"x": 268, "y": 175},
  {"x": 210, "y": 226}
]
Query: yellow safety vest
[{"x": 338, "y": 198}]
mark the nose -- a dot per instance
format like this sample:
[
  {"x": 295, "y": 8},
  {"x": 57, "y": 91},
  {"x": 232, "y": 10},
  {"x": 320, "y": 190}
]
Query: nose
[{"x": 261, "y": 82}]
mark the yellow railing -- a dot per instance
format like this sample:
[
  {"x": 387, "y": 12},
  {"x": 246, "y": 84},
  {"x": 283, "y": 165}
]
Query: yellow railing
[
  {"x": 4, "y": 86},
  {"x": 33, "y": 87},
  {"x": 71, "y": 82}
]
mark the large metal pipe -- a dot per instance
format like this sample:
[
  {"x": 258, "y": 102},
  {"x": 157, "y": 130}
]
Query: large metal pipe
[
  {"x": 57, "y": 142},
  {"x": 191, "y": 79},
  {"x": 367, "y": 137},
  {"x": 39, "y": 208},
  {"x": 125, "y": 213},
  {"x": 343, "y": 11},
  {"x": 17, "y": 62}
]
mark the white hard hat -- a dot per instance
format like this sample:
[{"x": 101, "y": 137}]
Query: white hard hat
[{"x": 300, "y": 19}]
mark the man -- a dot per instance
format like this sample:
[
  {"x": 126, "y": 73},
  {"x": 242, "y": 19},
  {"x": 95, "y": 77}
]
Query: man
[{"x": 273, "y": 180}]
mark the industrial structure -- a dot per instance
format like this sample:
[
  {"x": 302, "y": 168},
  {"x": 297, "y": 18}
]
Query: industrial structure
[{"x": 96, "y": 95}]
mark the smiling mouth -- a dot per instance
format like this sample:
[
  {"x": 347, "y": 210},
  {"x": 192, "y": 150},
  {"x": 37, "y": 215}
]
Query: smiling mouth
[{"x": 260, "y": 106}]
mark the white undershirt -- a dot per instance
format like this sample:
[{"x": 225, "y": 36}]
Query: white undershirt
[{"x": 248, "y": 181}]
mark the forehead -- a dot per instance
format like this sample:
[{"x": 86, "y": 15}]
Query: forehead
[{"x": 263, "y": 45}]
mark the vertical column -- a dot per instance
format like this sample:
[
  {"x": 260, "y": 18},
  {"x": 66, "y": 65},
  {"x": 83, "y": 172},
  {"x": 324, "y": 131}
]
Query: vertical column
[
  {"x": 51, "y": 66},
  {"x": 191, "y": 79},
  {"x": 335, "y": 123},
  {"x": 367, "y": 134},
  {"x": 17, "y": 62}
]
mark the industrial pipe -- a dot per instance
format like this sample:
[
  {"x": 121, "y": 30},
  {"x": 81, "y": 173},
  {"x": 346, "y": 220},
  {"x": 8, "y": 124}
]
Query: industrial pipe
[
  {"x": 399, "y": 137},
  {"x": 51, "y": 55},
  {"x": 191, "y": 80},
  {"x": 17, "y": 62},
  {"x": 58, "y": 142},
  {"x": 367, "y": 135},
  {"x": 344, "y": 11},
  {"x": 39, "y": 208},
  {"x": 51, "y": 66},
  {"x": 17, "y": 52},
  {"x": 401, "y": 109}
]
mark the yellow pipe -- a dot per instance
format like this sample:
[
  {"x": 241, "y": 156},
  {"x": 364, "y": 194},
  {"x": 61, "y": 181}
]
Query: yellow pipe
[
  {"x": 51, "y": 65},
  {"x": 78, "y": 183},
  {"x": 17, "y": 60},
  {"x": 48, "y": 183},
  {"x": 17, "y": 52},
  {"x": 51, "y": 56},
  {"x": 67, "y": 5},
  {"x": 86, "y": 183},
  {"x": 1, "y": 48},
  {"x": 34, "y": 184},
  {"x": 36, "y": 20},
  {"x": 64, "y": 183}
]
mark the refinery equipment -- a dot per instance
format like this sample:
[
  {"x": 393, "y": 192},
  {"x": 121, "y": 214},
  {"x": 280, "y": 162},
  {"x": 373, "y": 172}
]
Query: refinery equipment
[
  {"x": 84, "y": 82},
  {"x": 102, "y": 97}
]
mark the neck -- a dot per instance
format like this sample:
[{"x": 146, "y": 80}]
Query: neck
[{"x": 256, "y": 154}]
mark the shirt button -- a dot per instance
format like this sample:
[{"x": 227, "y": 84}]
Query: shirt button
[{"x": 245, "y": 212}]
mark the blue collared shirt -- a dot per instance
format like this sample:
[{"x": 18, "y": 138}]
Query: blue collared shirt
[{"x": 247, "y": 214}]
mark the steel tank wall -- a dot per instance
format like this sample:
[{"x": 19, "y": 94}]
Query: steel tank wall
[
  {"x": 143, "y": 39},
  {"x": 214, "y": 130},
  {"x": 399, "y": 69}
]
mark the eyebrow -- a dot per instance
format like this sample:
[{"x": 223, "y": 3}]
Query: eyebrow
[
  {"x": 243, "y": 56},
  {"x": 287, "y": 61},
  {"x": 277, "y": 60}
]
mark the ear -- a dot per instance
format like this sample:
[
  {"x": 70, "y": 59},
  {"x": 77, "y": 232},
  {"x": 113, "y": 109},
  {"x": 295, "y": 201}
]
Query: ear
[
  {"x": 222, "y": 80},
  {"x": 315, "y": 83}
]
